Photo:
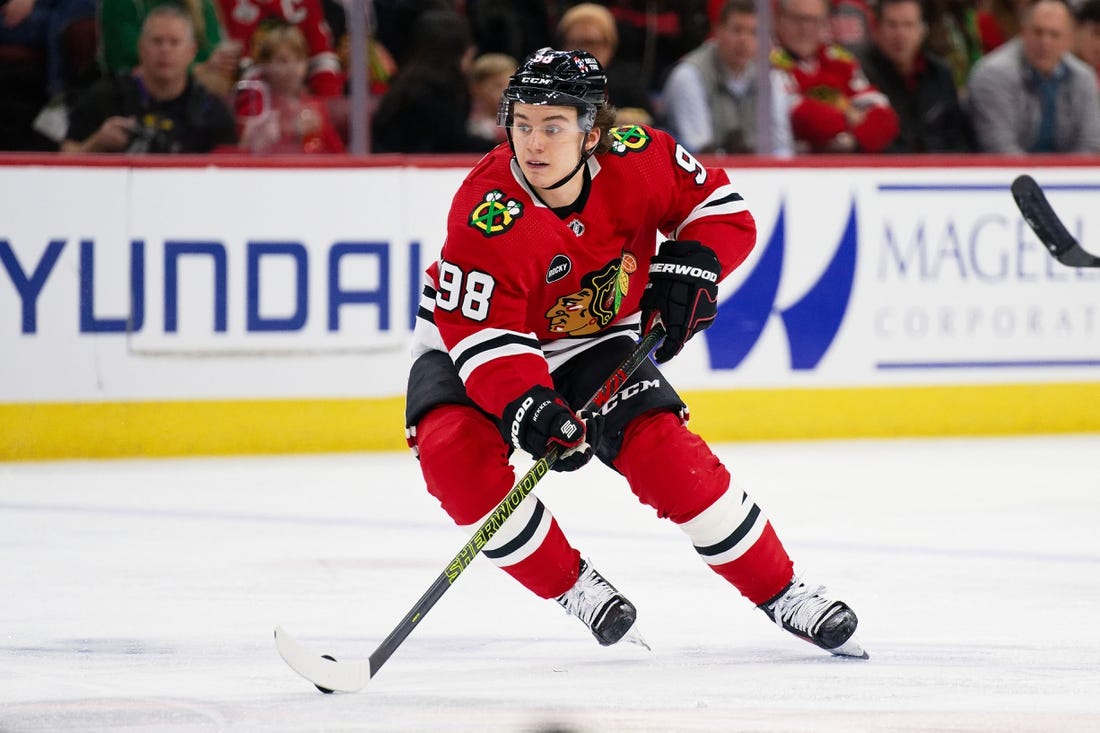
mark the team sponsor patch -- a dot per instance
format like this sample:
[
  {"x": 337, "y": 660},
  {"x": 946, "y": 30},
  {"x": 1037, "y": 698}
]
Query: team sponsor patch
[
  {"x": 629, "y": 139},
  {"x": 559, "y": 268},
  {"x": 495, "y": 215}
]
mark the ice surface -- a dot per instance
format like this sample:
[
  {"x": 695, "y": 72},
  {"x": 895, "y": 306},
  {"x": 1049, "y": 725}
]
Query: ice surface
[{"x": 142, "y": 595}]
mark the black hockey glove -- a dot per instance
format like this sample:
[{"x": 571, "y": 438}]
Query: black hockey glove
[
  {"x": 540, "y": 418},
  {"x": 683, "y": 291}
]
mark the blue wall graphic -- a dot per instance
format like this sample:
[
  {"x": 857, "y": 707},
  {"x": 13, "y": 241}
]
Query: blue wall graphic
[{"x": 810, "y": 324}]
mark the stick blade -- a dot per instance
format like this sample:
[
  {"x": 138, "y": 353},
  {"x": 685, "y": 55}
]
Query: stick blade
[
  {"x": 326, "y": 674},
  {"x": 1039, "y": 215}
]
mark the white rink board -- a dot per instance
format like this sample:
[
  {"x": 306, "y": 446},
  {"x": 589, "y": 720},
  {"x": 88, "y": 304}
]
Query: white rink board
[{"x": 944, "y": 283}]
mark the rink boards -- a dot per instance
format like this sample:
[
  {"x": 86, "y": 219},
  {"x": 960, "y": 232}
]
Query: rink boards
[{"x": 175, "y": 307}]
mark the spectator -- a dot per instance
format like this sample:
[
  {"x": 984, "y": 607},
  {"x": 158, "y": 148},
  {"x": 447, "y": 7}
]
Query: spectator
[
  {"x": 47, "y": 57},
  {"x": 1032, "y": 95},
  {"x": 851, "y": 24},
  {"x": 243, "y": 18},
  {"x": 953, "y": 36},
  {"x": 998, "y": 22},
  {"x": 394, "y": 18},
  {"x": 512, "y": 27},
  {"x": 833, "y": 107},
  {"x": 710, "y": 96},
  {"x": 428, "y": 104},
  {"x": 157, "y": 108},
  {"x": 275, "y": 114},
  {"x": 1086, "y": 44},
  {"x": 656, "y": 35},
  {"x": 591, "y": 27},
  {"x": 216, "y": 58},
  {"x": 489, "y": 77},
  {"x": 919, "y": 85}
]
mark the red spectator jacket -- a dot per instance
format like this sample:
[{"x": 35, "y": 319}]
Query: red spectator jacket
[
  {"x": 822, "y": 88},
  {"x": 243, "y": 17}
]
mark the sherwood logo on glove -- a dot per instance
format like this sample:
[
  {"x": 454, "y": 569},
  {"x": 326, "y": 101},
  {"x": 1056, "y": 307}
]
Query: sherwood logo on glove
[{"x": 674, "y": 269}]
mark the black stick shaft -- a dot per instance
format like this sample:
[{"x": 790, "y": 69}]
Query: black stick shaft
[{"x": 508, "y": 505}]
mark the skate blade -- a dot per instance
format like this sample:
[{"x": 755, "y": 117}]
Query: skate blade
[
  {"x": 634, "y": 636},
  {"x": 851, "y": 648}
]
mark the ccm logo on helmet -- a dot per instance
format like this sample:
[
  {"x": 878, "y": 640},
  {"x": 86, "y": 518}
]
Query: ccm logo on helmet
[
  {"x": 684, "y": 270},
  {"x": 534, "y": 80}
]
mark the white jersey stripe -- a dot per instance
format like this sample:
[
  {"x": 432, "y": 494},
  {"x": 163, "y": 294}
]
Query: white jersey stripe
[
  {"x": 710, "y": 207},
  {"x": 517, "y": 528},
  {"x": 489, "y": 344},
  {"x": 733, "y": 519}
]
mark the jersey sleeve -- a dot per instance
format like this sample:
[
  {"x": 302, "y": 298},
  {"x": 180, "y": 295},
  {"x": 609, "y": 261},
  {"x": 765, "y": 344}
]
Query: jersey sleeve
[
  {"x": 705, "y": 206},
  {"x": 326, "y": 79}
]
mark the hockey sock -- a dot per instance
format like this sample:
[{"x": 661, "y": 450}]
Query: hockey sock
[
  {"x": 465, "y": 465},
  {"x": 674, "y": 471}
]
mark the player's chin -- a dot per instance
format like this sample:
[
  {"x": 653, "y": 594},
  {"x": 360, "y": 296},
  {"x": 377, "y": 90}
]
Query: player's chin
[{"x": 537, "y": 173}]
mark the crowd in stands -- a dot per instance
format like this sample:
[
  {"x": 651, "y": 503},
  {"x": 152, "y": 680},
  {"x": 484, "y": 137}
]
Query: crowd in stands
[{"x": 272, "y": 76}]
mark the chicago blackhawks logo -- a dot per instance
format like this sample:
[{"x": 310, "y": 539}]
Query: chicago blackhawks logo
[
  {"x": 494, "y": 215},
  {"x": 590, "y": 309},
  {"x": 629, "y": 138}
]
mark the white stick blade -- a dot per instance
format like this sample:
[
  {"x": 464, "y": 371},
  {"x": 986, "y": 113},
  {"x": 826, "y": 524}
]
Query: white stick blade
[{"x": 335, "y": 676}]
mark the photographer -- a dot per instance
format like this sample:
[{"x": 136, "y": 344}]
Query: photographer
[{"x": 158, "y": 107}]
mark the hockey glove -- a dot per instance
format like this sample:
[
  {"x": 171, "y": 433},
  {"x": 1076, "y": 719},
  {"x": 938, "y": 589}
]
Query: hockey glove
[
  {"x": 540, "y": 418},
  {"x": 683, "y": 291}
]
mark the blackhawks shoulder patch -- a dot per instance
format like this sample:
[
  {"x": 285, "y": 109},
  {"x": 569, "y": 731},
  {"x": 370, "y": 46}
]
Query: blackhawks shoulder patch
[
  {"x": 494, "y": 214},
  {"x": 629, "y": 138}
]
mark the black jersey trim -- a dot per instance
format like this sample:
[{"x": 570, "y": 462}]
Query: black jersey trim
[
  {"x": 495, "y": 343},
  {"x": 724, "y": 200}
]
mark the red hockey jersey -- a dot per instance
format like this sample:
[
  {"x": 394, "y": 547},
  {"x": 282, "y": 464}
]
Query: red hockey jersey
[
  {"x": 517, "y": 289},
  {"x": 243, "y": 17},
  {"x": 822, "y": 88}
]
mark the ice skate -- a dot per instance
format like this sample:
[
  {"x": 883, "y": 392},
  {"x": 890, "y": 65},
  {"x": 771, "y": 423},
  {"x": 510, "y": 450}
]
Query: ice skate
[
  {"x": 807, "y": 612},
  {"x": 609, "y": 616}
]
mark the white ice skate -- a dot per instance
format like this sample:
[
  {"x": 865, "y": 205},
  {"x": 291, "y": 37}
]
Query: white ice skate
[
  {"x": 607, "y": 614},
  {"x": 807, "y": 612}
]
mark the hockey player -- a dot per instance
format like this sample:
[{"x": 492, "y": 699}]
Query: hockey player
[{"x": 549, "y": 269}]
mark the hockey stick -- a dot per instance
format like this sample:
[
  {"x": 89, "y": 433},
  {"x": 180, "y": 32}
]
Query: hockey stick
[
  {"x": 1047, "y": 226},
  {"x": 328, "y": 675}
]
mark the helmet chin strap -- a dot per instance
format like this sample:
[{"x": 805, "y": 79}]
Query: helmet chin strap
[{"x": 585, "y": 155}]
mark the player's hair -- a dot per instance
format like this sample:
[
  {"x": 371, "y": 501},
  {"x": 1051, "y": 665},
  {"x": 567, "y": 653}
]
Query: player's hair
[{"x": 605, "y": 120}]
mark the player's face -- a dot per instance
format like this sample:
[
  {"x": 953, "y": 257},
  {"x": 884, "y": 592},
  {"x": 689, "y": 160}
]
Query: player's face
[{"x": 548, "y": 142}]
